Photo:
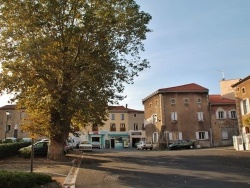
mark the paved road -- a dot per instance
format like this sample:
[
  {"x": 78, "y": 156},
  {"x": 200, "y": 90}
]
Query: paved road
[{"x": 214, "y": 167}]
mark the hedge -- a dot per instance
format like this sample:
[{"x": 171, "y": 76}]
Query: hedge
[
  {"x": 11, "y": 149},
  {"x": 10, "y": 179}
]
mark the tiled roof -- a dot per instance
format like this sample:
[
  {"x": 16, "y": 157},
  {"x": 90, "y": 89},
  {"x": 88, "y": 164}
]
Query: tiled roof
[
  {"x": 8, "y": 107},
  {"x": 123, "y": 109},
  {"x": 185, "y": 88},
  {"x": 241, "y": 81},
  {"x": 218, "y": 99}
]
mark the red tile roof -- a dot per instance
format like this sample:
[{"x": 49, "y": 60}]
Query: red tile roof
[
  {"x": 185, "y": 88},
  {"x": 241, "y": 81},
  {"x": 218, "y": 99},
  {"x": 123, "y": 109}
]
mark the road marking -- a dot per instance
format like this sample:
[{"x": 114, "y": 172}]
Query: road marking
[{"x": 71, "y": 178}]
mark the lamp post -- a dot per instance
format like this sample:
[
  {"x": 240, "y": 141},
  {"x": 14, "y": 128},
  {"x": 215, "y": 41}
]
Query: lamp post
[{"x": 6, "y": 126}]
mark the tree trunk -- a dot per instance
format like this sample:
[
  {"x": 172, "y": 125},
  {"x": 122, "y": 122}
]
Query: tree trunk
[
  {"x": 59, "y": 131},
  {"x": 56, "y": 150}
]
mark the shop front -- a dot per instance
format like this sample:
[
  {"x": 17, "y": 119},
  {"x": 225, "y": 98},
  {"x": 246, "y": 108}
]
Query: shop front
[
  {"x": 136, "y": 136},
  {"x": 117, "y": 140},
  {"x": 97, "y": 136}
]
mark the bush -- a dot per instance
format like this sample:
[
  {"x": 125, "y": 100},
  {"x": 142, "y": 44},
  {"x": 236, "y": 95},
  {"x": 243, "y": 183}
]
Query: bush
[
  {"x": 25, "y": 152},
  {"x": 11, "y": 149},
  {"x": 10, "y": 179}
]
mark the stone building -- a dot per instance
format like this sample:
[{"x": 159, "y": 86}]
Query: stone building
[
  {"x": 178, "y": 113},
  {"x": 224, "y": 123}
]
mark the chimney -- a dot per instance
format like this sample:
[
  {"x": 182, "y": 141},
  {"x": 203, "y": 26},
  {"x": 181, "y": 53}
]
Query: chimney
[{"x": 126, "y": 105}]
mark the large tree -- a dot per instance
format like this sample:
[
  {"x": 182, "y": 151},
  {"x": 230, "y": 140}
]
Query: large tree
[{"x": 66, "y": 60}]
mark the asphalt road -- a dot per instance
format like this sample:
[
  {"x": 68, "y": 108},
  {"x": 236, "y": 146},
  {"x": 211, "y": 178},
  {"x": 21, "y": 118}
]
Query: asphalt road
[{"x": 191, "y": 168}]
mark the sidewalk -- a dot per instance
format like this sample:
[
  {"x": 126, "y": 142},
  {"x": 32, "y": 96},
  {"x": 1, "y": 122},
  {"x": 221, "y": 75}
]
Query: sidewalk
[{"x": 58, "y": 170}]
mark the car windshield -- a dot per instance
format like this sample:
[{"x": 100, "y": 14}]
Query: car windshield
[{"x": 85, "y": 142}]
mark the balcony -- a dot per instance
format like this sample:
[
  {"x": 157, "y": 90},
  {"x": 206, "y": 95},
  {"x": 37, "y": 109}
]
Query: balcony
[
  {"x": 122, "y": 129},
  {"x": 112, "y": 129}
]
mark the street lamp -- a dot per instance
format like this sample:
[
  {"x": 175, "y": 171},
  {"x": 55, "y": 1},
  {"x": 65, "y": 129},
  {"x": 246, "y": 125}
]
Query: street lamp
[{"x": 6, "y": 126}]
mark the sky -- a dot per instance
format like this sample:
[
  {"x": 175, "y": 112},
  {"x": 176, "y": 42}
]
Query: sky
[{"x": 192, "y": 41}]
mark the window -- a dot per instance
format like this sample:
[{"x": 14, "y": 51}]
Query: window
[
  {"x": 8, "y": 128},
  {"x": 224, "y": 135},
  {"x": 135, "y": 126},
  {"x": 156, "y": 102},
  {"x": 232, "y": 114},
  {"x": 174, "y": 116},
  {"x": 243, "y": 90},
  {"x": 112, "y": 116},
  {"x": 175, "y": 136},
  {"x": 202, "y": 135},
  {"x": 112, "y": 127},
  {"x": 22, "y": 114},
  {"x": 198, "y": 100},
  {"x": 155, "y": 137},
  {"x": 122, "y": 127},
  {"x": 200, "y": 116},
  {"x": 221, "y": 115},
  {"x": 186, "y": 101},
  {"x": 135, "y": 115},
  {"x": 122, "y": 116},
  {"x": 172, "y": 101},
  {"x": 245, "y": 106},
  {"x": 154, "y": 118}
]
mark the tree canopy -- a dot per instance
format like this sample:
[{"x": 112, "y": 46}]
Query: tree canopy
[{"x": 66, "y": 60}]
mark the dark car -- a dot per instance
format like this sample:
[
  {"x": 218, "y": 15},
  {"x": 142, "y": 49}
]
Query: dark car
[
  {"x": 181, "y": 144},
  {"x": 40, "y": 148}
]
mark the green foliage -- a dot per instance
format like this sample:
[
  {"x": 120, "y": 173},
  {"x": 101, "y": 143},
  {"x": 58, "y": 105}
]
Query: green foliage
[
  {"x": 10, "y": 179},
  {"x": 11, "y": 149},
  {"x": 65, "y": 61},
  {"x": 25, "y": 152},
  {"x": 247, "y": 121}
]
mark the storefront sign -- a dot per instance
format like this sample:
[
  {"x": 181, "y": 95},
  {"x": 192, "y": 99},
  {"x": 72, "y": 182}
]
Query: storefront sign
[{"x": 135, "y": 133}]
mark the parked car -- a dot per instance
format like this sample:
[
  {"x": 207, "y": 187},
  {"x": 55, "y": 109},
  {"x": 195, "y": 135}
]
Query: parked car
[
  {"x": 85, "y": 146},
  {"x": 144, "y": 145},
  {"x": 40, "y": 148},
  {"x": 9, "y": 140},
  {"x": 26, "y": 140},
  {"x": 181, "y": 144},
  {"x": 96, "y": 144}
]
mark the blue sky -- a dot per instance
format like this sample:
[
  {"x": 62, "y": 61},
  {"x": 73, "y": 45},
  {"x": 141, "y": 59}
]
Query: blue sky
[{"x": 192, "y": 42}]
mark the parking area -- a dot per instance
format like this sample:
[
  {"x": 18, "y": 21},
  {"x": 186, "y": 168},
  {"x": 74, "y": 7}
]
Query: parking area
[{"x": 213, "y": 167}]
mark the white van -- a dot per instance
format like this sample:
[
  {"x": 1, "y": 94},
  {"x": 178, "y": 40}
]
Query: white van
[{"x": 74, "y": 141}]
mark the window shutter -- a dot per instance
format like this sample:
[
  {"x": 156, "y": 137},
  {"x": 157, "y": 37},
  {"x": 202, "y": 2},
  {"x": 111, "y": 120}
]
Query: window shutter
[
  {"x": 225, "y": 114},
  {"x": 180, "y": 135},
  {"x": 229, "y": 115},
  {"x": 206, "y": 135},
  {"x": 172, "y": 115},
  {"x": 197, "y": 135},
  {"x": 175, "y": 115},
  {"x": 217, "y": 115},
  {"x": 170, "y": 136},
  {"x": 241, "y": 108},
  {"x": 247, "y": 105},
  {"x": 224, "y": 135}
]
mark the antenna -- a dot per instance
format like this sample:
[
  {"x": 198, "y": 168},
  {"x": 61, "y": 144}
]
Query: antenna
[{"x": 223, "y": 75}]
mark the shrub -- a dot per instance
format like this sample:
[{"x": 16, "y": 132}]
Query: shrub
[
  {"x": 25, "y": 152},
  {"x": 11, "y": 149},
  {"x": 10, "y": 179}
]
